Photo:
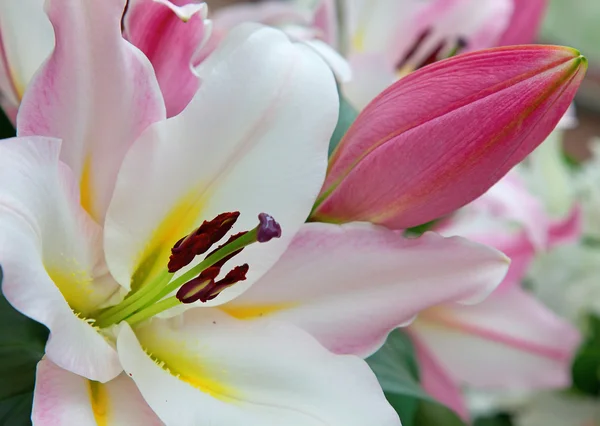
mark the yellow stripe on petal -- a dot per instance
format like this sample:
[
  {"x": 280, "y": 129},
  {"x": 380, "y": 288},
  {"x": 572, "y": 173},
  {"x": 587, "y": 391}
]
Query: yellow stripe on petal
[
  {"x": 180, "y": 221},
  {"x": 194, "y": 373},
  {"x": 85, "y": 186},
  {"x": 255, "y": 311},
  {"x": 75, "y": 284},
  {"x": 100, "y": 402}
]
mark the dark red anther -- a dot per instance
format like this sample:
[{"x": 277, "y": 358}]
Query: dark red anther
[
  {"x": 268, "y": 228},
  {"x": 219, "y": 226},
  {"x": 199, "y": 241},
  {"x": 191, "y": 291},
  {"x": 234, "y": 276}
]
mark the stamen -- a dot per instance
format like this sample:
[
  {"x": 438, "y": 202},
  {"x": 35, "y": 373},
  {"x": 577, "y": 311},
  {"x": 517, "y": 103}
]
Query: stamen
[
  {"x": 199, "y": 241},
  {"x": 197, "y": 283},
  {"x": 190, "y": 292},
  {"x": 234, "y": 276}
]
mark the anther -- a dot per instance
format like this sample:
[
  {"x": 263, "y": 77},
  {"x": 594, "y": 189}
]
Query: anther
[{"x": 199, "y": 241}]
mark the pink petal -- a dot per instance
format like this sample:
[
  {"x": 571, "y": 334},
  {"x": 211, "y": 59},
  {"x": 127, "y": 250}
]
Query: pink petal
[
  {"x": 566, "y": 230},
  {"x": 510, "y": 341},
  {"x": 169, "y": 35},
  {"x": 443, "y": 135},
  {"x": 64, "y": 398},
  {"x": 325, "y": 19},
  {"x": 525, "y": 22},
  {"x": 436, "y": 381},
  {"x": 96, "y": 93},
  {"x": 350, "y": 285}
]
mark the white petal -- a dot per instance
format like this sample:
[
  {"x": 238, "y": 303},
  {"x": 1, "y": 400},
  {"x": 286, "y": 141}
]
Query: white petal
[
  {"x": 50, "y": 252},
  {"x": 254, "y": 139},
  {"x": 227, "y": 372}
]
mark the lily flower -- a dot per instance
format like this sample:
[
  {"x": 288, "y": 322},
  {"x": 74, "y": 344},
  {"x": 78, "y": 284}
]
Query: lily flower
[
  {"x": 101, "y": 196},
  {"x": 28, "y": 40},
  {"x": 437, "y": 138}
]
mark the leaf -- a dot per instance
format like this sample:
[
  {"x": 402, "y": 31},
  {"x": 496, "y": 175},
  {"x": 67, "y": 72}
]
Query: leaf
[
  {"x": 347, "y": 116},
  {"x": 586, "y": 365},
  {"x": 397, "y": 370},
  {"x": 22, "y": 342},
  {"x": 7, "y": 130},
  {"x": 497, "y": 420}
]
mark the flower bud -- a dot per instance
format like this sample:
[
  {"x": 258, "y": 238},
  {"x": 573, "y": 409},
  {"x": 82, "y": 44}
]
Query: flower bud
[{"x": 443, "y": 135}]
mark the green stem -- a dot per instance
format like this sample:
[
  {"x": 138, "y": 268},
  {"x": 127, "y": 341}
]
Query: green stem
[{"x": 152, "y": 310}]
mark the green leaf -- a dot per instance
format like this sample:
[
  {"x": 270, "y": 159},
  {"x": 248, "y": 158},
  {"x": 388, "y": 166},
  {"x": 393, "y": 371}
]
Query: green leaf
[
  {"x": 7, "y": 130},
  {"x": 22, "y": 342},
  {"x": 586, "y": 366},
  {"x": 347, "y": 116},
  {"x": 397, "y": 370},
  {"x": 497, "y": 420}
]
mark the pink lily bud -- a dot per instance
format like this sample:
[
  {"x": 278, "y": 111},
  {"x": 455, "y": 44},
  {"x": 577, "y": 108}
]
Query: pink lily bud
[{"x": 440, "y": 137}]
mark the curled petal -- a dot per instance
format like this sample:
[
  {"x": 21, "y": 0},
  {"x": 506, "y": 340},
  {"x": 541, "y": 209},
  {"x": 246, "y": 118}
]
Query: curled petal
[
  {"x": 169, "y": 35},
  {"x": 443, "y": 135}
]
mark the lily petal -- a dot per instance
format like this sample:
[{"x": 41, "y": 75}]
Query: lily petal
[
  {"x": 510, "y": 341},
  {"x": 96, "y": 93},
  {"x": 325, "y": 19},
  {"x": 350, "y": 285},
  {"x": 414, "y": 155},
  {"x": 254, "y": 139},
  {"x": 169, "y": 35},
  {"x": 525, "y": 22},
  {"x": 64, "y": 398},
  {"x": 26, "y": 40},
  {"x": 206, "y": 368},
  {"x": 436, "y": 381},
  {"x": 51, "y": 256}
]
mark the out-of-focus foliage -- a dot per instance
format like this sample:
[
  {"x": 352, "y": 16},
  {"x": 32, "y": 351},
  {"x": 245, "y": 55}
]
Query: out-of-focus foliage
[
  {"x": 22, "y": 343},
  {"x": 586, "y": 366},
  {"x": 6, "y": 128}
]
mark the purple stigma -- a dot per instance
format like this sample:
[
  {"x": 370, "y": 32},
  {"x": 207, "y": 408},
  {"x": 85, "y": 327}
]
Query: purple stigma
[{"x": 268, "y": 228}]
